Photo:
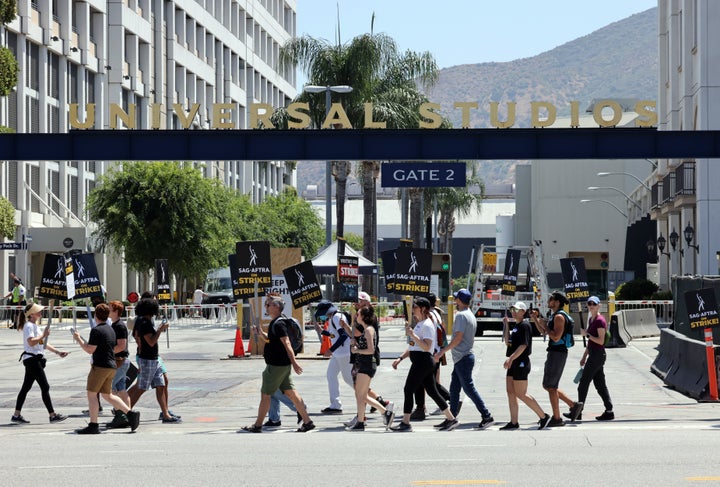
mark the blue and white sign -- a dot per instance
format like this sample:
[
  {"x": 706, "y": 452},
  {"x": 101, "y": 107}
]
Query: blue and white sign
[
  {"x": 423, "y": 174},
  {"x": 12, "y": 246}
]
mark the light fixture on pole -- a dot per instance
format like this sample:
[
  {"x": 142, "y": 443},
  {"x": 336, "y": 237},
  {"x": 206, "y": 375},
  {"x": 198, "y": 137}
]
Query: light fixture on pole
[
  {"x": 689, "y": 234},
  {"x": 328, "y": 164},
  {"x": 609, "y": 203},
  {"x": 642, "y": 183},
  {"x": 661, "y": 245},
  {"x": 651, "y": 250},
  {"x": 597, "y": 188}
]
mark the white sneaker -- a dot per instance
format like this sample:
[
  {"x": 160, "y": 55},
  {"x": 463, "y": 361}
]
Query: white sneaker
[{"x": 351, "y": 423}]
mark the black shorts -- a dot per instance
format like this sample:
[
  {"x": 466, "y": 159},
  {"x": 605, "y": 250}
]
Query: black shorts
[
  {"x": 519, "y": 370},
  {"x": 366, "y": 365}
]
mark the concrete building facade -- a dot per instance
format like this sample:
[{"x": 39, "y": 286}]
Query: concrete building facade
[{"x": 132, "y": 64}]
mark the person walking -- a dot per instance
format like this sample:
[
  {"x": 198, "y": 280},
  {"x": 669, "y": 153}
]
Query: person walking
[
  {"x": 33, "y": 358},
  {"x": 338, "y": 353},
  {"x": 366, "y": 361},
  {"x": 101, "y": 345},
  {"x": 122, "y": 362},
  {"x": 422, "y": 369},
  {"x": 557, "y": 352},
  {"x": 593, "y": 363},
  {"x": 518, "y": 338},
  {"x": 461, "y": 345},
  {"x": 436, "y": 316},
  {"x": 17, "y": 298},
  {"x": 279, "y": 359}
]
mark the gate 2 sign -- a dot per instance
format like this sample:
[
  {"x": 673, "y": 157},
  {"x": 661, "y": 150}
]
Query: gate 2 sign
[{"x": 422, "y": 174}]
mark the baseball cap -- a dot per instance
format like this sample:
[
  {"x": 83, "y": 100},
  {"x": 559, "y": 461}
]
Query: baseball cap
[
  {"x": 363, "y": 296},
  {"x": 463, "y": 295},
  {"x": 520, "y": 305},
  {"x": 594, "y": 300},
  {"x": 324, "y": 308}
]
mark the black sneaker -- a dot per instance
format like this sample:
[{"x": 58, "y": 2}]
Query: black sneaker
[
  {"x": 307, "y": 427},
  {"x": 90, "y": 429},
  {"x": 358, "y": 426},
  {"x": 19, "y": 419},
  {"x": 543, "y": 423},
  {"x": 161, "y": 416},
  {"x": 172, "y": 419},
  {"x": 418, "y": 415},
  {"x": 253, "y": 428},
  {"x": 485, "y": 423},
  {"x": 119, "y": 421},
  {"x": 133, "y": 419},
  {"x": 556, "y": 423},
  {"x": 510, "y": 427},
  {"x": 451, "y": 425},
  {"x": 381, "y": 401},
  {"x": 442, "y": 425},
  {"x": 272, "y": 424},
  {"x": 58, "y": 418},
  {"x": 606, "y": 416},
  {"x": 389, "y": 415},
  {"x": 331, "y": 411},
  {"x": 299, "y": 418},
  {"x": 402, "y": 427},
  {"x": 575, "y": 412}
]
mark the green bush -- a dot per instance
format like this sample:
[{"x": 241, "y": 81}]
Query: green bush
[
  {"x": 8, "y": 71},
  {"x": 663, "y": 295},
  {"x": 636, "y": 289},
  {"x": 7, "y": 11}
]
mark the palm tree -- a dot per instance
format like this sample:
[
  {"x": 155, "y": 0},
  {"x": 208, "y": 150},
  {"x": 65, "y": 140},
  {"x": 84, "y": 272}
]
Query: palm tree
[{"x": 380, "y": 74}]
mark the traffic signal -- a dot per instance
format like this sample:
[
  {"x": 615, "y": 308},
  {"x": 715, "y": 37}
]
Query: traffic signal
[{"x": 442, "y": 267}]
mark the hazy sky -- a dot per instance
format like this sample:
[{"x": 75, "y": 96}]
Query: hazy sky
[{"x": 466, "y": 31}]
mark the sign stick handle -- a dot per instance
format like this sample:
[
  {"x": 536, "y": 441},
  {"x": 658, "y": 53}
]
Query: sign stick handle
[{"x": 50, "y": 313}]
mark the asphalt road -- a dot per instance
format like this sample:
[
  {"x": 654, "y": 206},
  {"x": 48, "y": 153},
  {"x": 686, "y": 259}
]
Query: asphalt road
[{"x": 659, "y": 437}]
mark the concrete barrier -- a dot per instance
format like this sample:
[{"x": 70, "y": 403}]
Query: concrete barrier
[
  {"x": 619, "y": 337},
  {"x": 640, "y": 323},
  {"x": 682, "y": 364}
]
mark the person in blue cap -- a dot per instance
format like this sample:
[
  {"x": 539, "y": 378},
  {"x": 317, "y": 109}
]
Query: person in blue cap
[{"x": 339, "y": 352}]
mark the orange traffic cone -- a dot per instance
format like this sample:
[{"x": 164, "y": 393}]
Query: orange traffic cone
[
  {"x": 325, "y": 342},
  {"x": 239, "y": 350}
]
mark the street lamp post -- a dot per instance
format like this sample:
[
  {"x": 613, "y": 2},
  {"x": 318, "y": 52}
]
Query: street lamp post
[
  {"x": 642, "y": 183},
  {"x": 328, "y": 164},
  {"x": 609, "y": 203},
  {"x": 596, "y": 188}
]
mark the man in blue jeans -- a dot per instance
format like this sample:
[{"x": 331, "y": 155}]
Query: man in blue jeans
[{"x": 461, "y": 345}]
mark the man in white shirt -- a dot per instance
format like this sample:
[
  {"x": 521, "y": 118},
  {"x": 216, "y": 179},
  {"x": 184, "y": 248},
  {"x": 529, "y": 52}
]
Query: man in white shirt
[{"x": 339, "y": 352}]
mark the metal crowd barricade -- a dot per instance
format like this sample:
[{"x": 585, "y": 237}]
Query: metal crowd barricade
[{"x": 664, "y": 309}]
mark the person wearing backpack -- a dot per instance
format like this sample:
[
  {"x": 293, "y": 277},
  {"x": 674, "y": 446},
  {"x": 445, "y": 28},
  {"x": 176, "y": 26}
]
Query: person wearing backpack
[
  {"x": 339, "y": 353},
  {"x": 280, "y": 361},
  {"x": 593, "y": 362},
  {"x": 558, "y": 327}
]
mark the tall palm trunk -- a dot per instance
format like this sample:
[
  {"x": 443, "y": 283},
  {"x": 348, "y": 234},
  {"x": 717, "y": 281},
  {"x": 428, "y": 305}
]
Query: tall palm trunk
[
  {"x": 370, "y": 170},
  {"x": 416, "y": 216},
  {"x": 340, "y": 170}
]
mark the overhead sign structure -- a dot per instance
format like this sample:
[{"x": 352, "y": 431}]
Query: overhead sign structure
[
  {"x": 423, "y": 174},
  {"x": 510, "y": 275},
  {"x": 302, "y": 284},
  {"x": 251, "y": 266},
  {"x": 162, "y": 281},
  {"x": 575, "y": 279}
]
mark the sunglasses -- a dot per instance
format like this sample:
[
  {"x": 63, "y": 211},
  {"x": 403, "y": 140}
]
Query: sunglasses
[{"x": 592, "y": 304}]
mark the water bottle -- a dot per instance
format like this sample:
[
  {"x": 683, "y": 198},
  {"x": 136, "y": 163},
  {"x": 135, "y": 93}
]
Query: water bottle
[{"x": 578, "y": 376}]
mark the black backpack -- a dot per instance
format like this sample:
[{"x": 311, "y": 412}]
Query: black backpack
[{"x": 294, "y": 332}]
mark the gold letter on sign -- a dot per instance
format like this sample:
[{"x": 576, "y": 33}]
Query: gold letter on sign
[
  {"x": 574, "y": 114},
  {"x": 156, "y": 112},
  {"x": 535, "y": 107},
  {"x": 495, "y": 119},
  {"x": 428, "y": 118},
  {"x": 116, "y": 112},
  {"x": 337, "y": 116},
  {"x": 465, "y": 106},
  {"x": 89, "y": 116},
  {"x": 298, "y": 117},
  {"x": 600, "y": 106},
  {"x": 186, "y": 120},
  {"x": 222, "y": 116},
  {"x": 642, "y": 108},
  {"x": 256, "y": 117},
  {"x": 369, "y": 122}
]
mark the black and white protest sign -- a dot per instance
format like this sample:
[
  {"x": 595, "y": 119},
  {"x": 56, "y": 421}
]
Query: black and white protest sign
[
  {"x": 702, "y": 308},
  {"x": 162, "y": 281},
  {"x": 510, "y": 274},
  {"x": 348, "y": 273},
  {"x": 252, "y": 266},
  {"x": 575, "y": 279},
  {"x": 302, "y": 284},
  {"x": 86, "y": 280},
  {"x": 388, "y": 263},
  {"x": 413, "y": 268}
]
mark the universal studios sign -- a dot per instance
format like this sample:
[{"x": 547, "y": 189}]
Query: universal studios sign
[{"x": 606, "y": 113}]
